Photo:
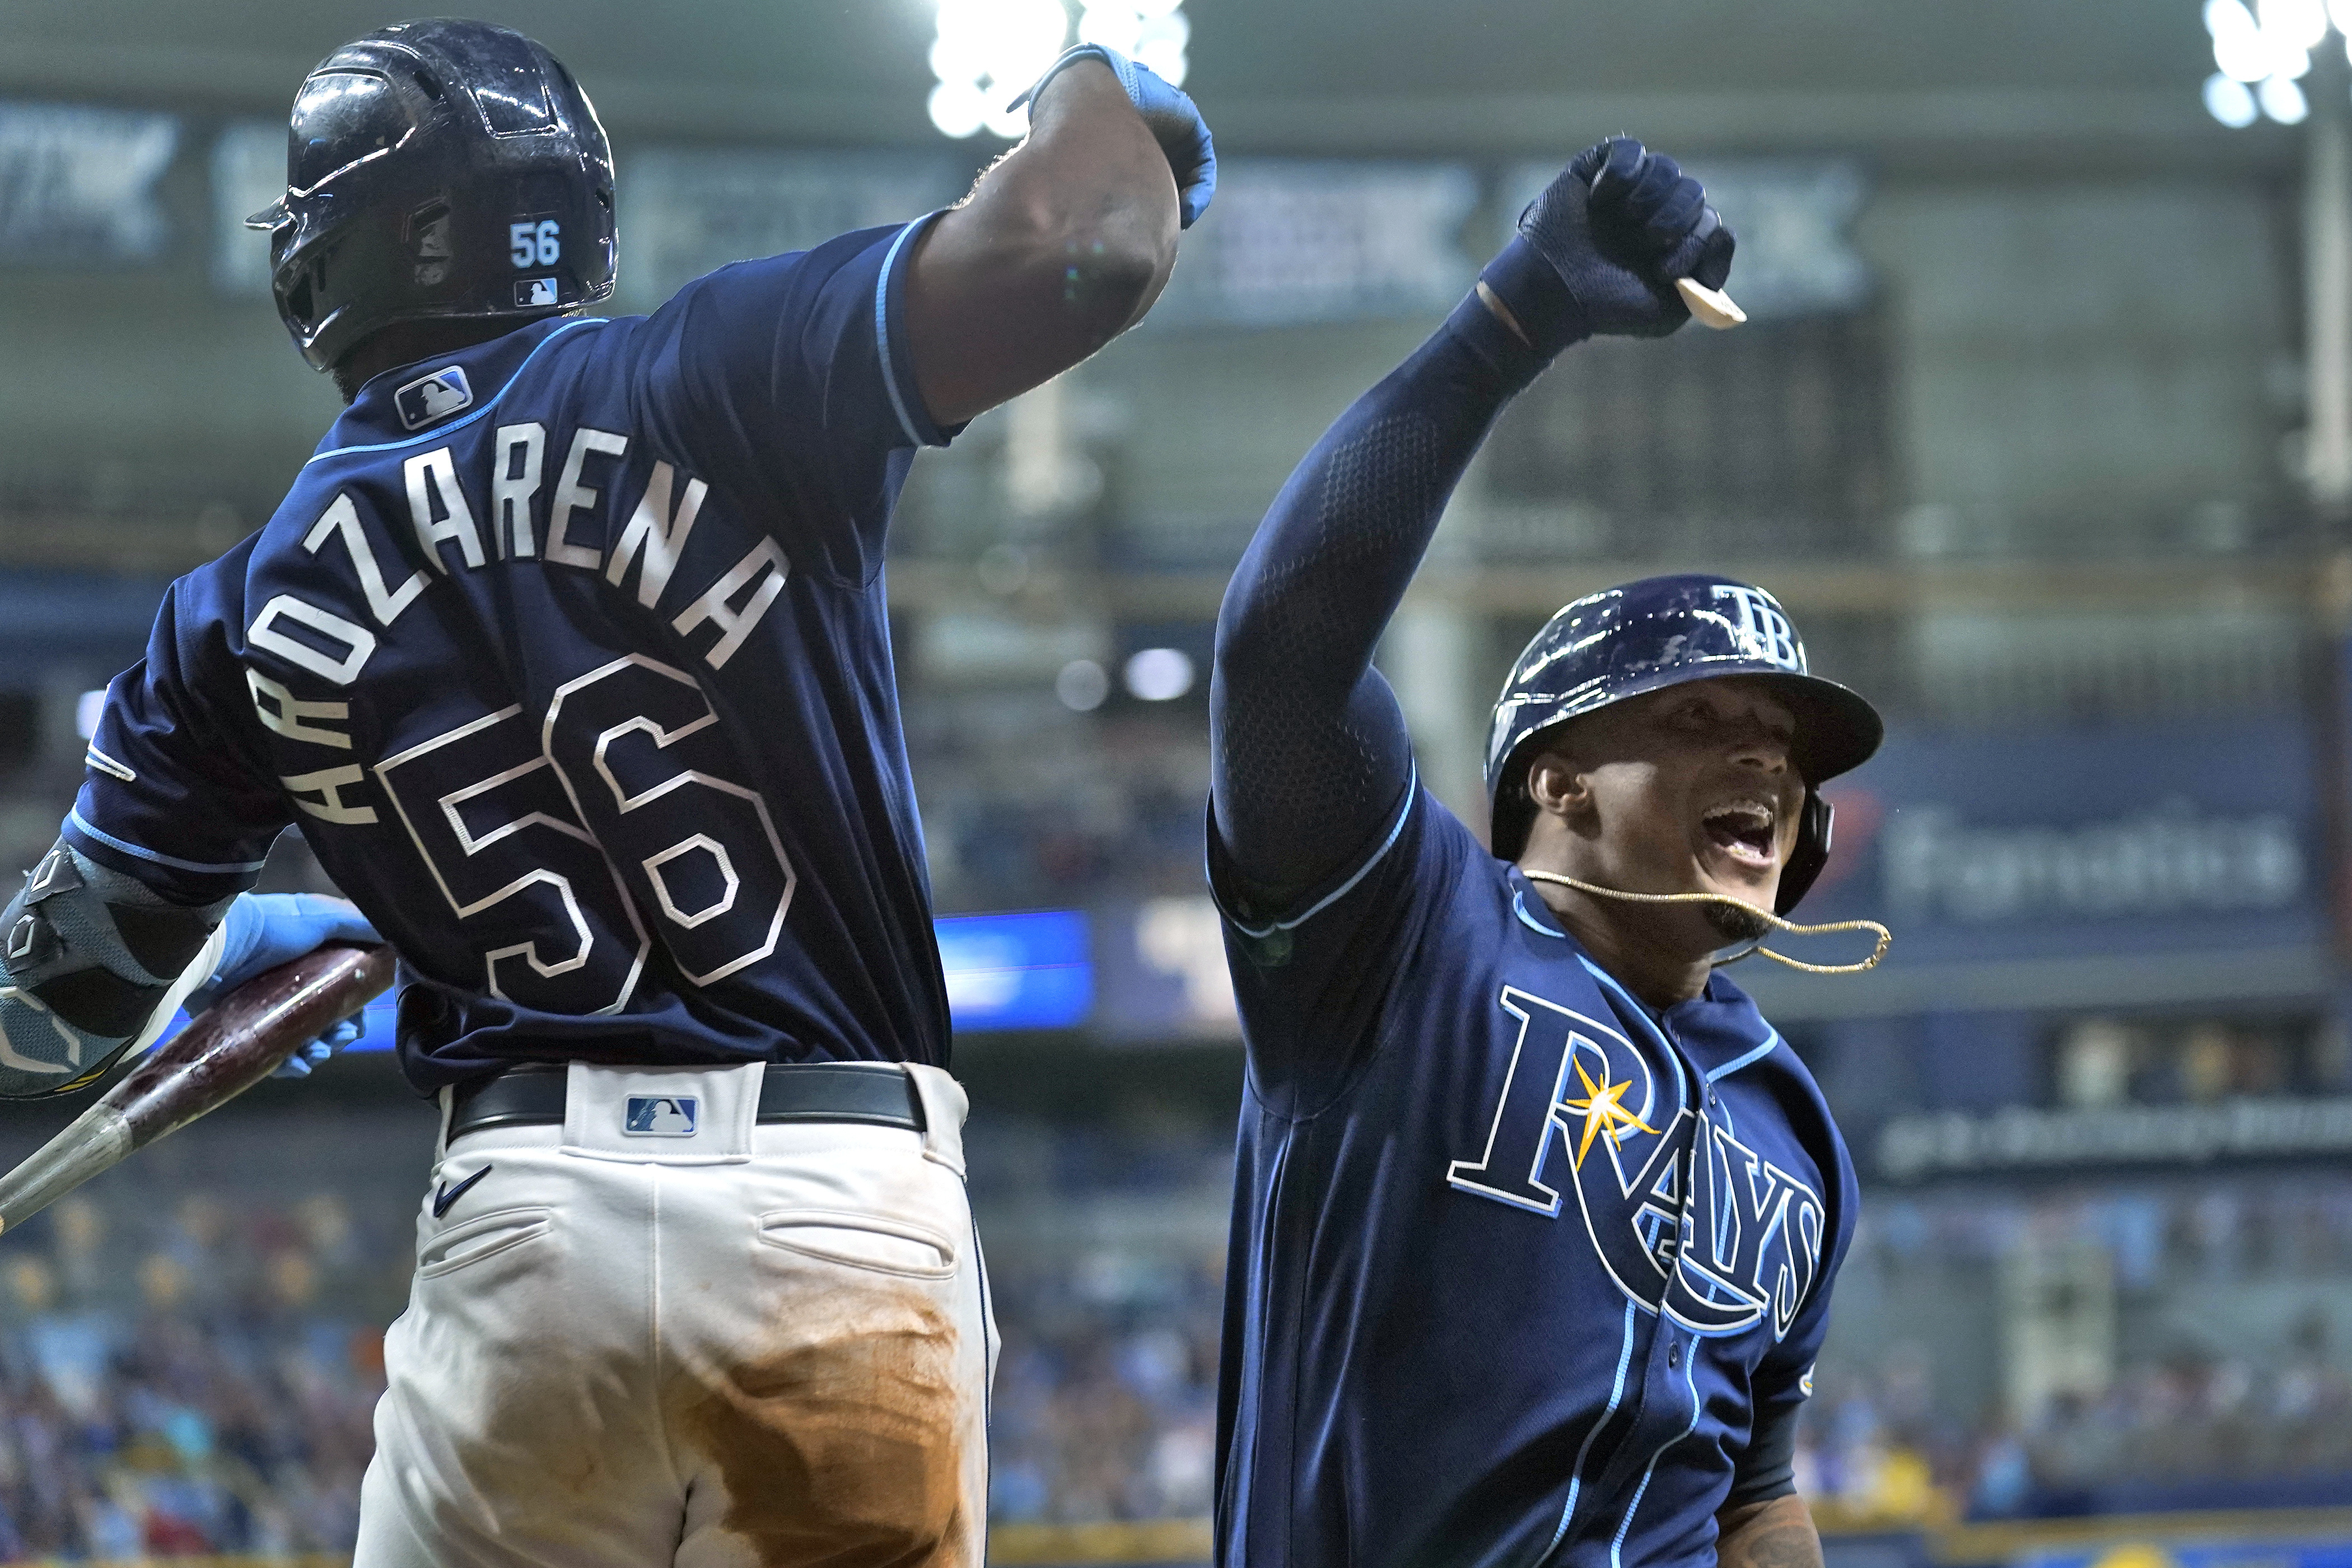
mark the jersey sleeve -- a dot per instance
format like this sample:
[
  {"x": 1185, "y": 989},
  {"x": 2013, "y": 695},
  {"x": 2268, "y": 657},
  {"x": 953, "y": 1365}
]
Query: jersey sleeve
[
  {"x": 790, "y": 379},
  {"x": 175, "y": 792},
  {"x": 1312, "y": 979}
]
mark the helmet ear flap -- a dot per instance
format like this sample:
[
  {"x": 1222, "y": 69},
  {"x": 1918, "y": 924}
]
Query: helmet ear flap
[{"x": 1810, "y": 854}]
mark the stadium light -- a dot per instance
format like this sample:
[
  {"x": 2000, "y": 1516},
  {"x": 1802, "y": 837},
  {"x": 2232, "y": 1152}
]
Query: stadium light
[
  {"x": 986, "y": 52},
  {"x": 2262, "y": 55},
  {"x": 2264, "y": 69},
  {"x": 1159, "y": 674}
]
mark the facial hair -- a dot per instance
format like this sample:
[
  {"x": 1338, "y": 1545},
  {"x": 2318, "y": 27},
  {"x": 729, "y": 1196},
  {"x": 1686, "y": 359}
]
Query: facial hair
[{"x": 1735, "y": 924}]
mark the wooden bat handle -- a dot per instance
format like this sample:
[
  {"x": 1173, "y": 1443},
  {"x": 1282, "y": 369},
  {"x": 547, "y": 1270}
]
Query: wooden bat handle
[
  {"x": 225, "y": 1050},
  {"x": 1712, "y": 307}
]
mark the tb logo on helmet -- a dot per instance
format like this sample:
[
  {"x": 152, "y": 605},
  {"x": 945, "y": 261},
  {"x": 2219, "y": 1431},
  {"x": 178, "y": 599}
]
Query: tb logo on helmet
[{"x": 1763, "y": 629}]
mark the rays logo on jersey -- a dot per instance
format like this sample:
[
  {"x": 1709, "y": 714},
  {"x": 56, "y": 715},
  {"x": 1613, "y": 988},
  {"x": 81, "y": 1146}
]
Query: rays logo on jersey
[
  {"x": 1687, "y": 1220},
  {"x": 434, "y": 396}
]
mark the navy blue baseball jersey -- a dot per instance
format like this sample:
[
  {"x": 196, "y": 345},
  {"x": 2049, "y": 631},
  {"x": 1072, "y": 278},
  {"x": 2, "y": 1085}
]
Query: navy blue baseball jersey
[
  {"x": 1518, "y": 1262},
  {"x": 568, "y": 654}
]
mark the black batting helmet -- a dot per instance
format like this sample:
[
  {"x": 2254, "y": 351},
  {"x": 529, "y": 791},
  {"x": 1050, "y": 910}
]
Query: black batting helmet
[
  {"x": 1662, "y": 632},
  {"x": 437, "y": 170}
]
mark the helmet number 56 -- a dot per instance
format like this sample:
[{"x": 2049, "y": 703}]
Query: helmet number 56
[{"x": 537, "y": 244}]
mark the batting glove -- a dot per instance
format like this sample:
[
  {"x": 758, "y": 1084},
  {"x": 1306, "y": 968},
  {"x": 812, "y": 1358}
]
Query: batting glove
[
  {"x": 1599, "y": 251},
  {"x": 1174, "y": 119},
  {"x": 265, "y": 930}
]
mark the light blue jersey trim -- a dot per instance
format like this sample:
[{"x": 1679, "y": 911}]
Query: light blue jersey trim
[
  {"x": 1411, "y": 788},
  {"x": 1519, "y": 908},
  {"x": 477, "y": 413},
  {"x": 112, "y": 842},
  {"x": 1690, "y": 1373},
  {"x": 1616, "y": 1395},
  {"x": 882, "y": 329},
  {"x": 1758, "y": 1054}
]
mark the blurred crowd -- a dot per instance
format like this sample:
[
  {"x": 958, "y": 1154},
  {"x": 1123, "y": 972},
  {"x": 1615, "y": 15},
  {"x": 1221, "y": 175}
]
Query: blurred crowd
[
  {"x": 1027, "y": 805},
  {"x": 2190, "y": 1337},
  {"x": 1106, "y": 1392},
  {"x": 189, "y": 1368},
  {"x": 187, "y": 1378}
]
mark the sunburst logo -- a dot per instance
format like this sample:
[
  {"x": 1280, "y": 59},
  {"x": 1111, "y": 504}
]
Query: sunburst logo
[{"x": 1604, "y": 1113}]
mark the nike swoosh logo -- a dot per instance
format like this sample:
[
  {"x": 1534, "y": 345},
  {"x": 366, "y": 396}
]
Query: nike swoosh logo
[{"x": 449, "y": 1194}]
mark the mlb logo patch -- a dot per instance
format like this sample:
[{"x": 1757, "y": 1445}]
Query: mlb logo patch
[
  {"x": 533, "y": 291},
  {"x": 434, "y": 396},
  {"x": 661, "y": 1116}
]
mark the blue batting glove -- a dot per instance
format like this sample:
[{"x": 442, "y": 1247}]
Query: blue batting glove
[
  {"x": 347, "y": 1032},
  {"x": 1171, "y": 117},
  {"x": 1600, "y": 250},
  {"x": 264, "y": 931}
]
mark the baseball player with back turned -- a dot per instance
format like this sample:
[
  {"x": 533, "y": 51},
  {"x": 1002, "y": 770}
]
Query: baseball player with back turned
[
  {"x": 1536, "y": 1218},
  {"x": 568, "y": 654}
]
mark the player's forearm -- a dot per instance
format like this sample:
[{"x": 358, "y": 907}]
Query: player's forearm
[
  {"x": 1342, "y": 541},
  {"x": 1061, "y": 245},
  {"x": 1775, "y": 1534},
  {"x": 95, "y": 963},
  {"x": 1308, "y": 753}
]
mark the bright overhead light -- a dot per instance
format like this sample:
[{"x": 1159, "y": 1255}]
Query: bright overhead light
[
  {"x": 2283, "y": 100},
  {"x": 2243, "y": 56},
  {"x": 1082, "y": 686},
  {"x": 2226, "y": 17},
  {"x": 959, "y": 109},
  {"x": 1159, "y": 674},
  {"x": 1151, "y": 32},
  {"x": 2295, "y": 24},
  {"x": 2230, "y": 102},
  {"x": 2267, "y": 48},
  {"x": 984, "y": 54}
]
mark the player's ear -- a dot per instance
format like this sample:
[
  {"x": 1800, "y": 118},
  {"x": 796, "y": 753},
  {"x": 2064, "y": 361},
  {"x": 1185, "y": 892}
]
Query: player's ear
[{"x": 1558, "y": 785}]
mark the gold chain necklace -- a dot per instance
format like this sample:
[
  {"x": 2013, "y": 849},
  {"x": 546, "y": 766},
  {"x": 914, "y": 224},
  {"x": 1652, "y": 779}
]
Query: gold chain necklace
[{"x": 1792, "y": 927}]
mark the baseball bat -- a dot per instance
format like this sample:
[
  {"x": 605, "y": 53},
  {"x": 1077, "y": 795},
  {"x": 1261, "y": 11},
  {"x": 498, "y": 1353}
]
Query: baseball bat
[
  {"x": 226, "y": 1049},
  {"x": 1710, "y": 307}
]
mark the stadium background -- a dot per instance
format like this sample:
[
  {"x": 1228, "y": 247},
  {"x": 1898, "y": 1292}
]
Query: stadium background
[{"x": 2040, "y": 429}]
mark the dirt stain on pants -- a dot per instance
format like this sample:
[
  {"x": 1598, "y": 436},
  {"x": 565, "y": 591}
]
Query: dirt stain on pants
[{"x": 846, "y": 1452}]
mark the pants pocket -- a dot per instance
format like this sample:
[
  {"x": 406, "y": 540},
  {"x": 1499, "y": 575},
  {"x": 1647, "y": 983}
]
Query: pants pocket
[
  {"x": 861, "y": 1241},
  {"x": 484, "y": 1236}
]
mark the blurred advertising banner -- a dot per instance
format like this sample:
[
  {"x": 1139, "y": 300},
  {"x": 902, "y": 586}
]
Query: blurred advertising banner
[
  {"x": 78, "y": 184},
  {"x": 1294, "y": 241},
  {"x": 2215, "y": 1551},
  {"x": 2191, "y": 837},
  {"x": 1793, "y": 219},
  {"x": 1033, "y": 970},
  {"x": 685, "y": 212},
  {"x": 1027, "y": 971},
  {"x": 1162, "y": 971},
  {"x": 248, "y": 173}
]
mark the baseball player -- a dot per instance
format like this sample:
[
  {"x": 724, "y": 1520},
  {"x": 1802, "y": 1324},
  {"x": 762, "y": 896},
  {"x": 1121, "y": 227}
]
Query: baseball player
[
  {"x": 1536, "y": 1218},
  {"x": 568, "y": 653}
]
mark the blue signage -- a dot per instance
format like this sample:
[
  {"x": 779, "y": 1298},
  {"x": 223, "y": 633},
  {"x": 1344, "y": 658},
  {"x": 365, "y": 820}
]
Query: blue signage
[
  {"x": 2060, "y": 844},
  {"x": 1017, "y": 972},
  {"x": 1029, "y": 971}
]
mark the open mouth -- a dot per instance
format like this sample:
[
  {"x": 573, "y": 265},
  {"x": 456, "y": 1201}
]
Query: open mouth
[{"x": 1743, "y": 829}]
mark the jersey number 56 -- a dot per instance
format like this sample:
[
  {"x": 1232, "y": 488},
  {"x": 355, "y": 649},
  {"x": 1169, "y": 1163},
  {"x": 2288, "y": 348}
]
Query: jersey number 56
[{"x": 553, "y": 836}]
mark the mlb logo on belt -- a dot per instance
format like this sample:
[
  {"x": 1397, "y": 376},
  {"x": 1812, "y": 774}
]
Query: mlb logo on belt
[
  {"x": 430, "y": 397},
  {"x": 661, "y": 1116}
]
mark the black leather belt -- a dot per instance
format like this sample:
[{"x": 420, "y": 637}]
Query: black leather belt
[{"x": 879, "y": 1094}]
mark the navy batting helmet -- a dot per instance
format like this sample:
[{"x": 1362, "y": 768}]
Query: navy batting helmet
[
  {"x": 439, "y": 170},
  {"x": 1662, "y": 632}
]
